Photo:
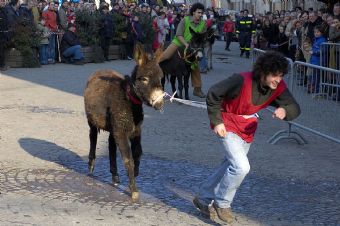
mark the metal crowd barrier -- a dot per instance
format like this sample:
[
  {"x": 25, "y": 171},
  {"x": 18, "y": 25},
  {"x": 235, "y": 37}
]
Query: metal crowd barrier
[
  {"x": 317, "y": 90},
  {"x": 330, "y": 55}
]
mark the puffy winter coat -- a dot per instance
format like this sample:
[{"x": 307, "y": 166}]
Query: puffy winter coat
[{"x": 315, "y": 58}]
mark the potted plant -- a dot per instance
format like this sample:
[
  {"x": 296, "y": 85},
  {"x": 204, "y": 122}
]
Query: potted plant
[
  {"x": 24, "y": 45},
  {"x": 88, "y": 31}
]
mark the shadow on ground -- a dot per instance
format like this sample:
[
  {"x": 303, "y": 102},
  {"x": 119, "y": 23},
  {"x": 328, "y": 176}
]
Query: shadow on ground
[{"x": 162, "y": 188}]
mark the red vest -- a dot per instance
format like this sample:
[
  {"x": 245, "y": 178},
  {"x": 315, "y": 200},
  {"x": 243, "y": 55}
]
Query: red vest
[{"x": 233, "y": 111}]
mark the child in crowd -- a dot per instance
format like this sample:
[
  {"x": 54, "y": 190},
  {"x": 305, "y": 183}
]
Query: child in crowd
[
  {"x": 43, "y": 48},
  {"x": 136, "y": 30},
  {"x": 307, "y": 49},
  {"x": 315, "y": 58}
]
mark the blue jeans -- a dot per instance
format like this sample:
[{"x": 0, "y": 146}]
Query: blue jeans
[
  {"x": 73, "y": 52},
  {"x": 222, "y": 185},
  {"x": 43, "y": 54},
  {"x": 51, "y": 48}
]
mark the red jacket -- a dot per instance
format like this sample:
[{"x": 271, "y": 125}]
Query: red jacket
[
  {"x": 228, "y": 26},
  {"x": 237, "y": 113},
  {"x": 209, "y": 23},
  {"x": 50, "y": 20}
]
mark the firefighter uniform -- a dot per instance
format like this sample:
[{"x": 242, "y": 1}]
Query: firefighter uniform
[{"x": 245, "y": 29}]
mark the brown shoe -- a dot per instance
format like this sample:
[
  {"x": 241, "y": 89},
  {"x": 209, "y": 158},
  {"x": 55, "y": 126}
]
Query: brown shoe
[
  {"x": 201, "y": 207},
  {"x": 224, "y": 214},
  {"x": 198, "y": 92}
]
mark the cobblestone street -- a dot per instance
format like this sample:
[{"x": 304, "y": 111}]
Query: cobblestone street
[{"x": 44, "y": 151}]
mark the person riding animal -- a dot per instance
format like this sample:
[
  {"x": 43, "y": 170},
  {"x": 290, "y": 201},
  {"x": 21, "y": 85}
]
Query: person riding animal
[{"x": 183, "y": 37}]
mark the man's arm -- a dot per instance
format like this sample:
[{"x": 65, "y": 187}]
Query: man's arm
[
  {"x": 180, "y": 32},
  {"x": 289, "y": 104}
]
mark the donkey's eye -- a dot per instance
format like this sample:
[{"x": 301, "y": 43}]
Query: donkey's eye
[{"x": 143, "y": 79}]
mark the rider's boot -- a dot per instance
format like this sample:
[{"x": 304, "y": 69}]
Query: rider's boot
[{"x": 198, "y": 92}]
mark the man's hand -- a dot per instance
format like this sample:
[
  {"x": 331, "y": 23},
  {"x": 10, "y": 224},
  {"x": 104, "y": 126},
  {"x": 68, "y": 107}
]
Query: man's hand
[
  {"x": 220, "y": 130},
  {"x": 279, "y": 113}
]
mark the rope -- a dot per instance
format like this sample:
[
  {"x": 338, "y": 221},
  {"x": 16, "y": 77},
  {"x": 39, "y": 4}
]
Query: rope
[{"x": 191, "y": 103}]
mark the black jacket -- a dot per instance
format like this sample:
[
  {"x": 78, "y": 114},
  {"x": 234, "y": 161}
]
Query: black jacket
[
  {"x": 12, "y": 16},
  {"x": 106, "y": 29},
  {"x": 271, "y": 33},
  {"x": 245, "y": 24},
  {"x": 311, "y": 26},
  {"x": 69, "y": 39},
  {"x": 3, "y": 25},
  {"x": 25, "y": 13}
]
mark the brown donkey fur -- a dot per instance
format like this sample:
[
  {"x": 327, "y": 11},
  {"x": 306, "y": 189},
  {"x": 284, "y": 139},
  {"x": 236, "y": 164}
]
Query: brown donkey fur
[{"x": 114, "y": 103}]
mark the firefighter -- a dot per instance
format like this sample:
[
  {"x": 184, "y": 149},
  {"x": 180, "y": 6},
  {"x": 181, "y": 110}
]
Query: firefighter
[{"x": 245, "y": 29}]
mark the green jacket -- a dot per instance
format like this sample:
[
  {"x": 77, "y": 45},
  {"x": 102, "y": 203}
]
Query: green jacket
[{"x": 187, "y": 34}]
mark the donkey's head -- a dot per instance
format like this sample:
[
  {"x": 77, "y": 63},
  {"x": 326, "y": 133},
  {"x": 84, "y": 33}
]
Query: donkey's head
[
  {"x": 197, "y": 42},
  {"x": 147, "y": 78}
]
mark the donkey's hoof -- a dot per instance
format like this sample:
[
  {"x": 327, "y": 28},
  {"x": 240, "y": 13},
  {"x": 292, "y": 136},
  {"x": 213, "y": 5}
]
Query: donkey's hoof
[
  {"x": 135, "y": 196},
  {"x": 115, "y": 179},
  {"x": 136, "y": 172},
  {"x": 91, "y": 168}
]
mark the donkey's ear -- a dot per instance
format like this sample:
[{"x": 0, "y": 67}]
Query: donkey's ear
[
  {"x": 139, "y": 55},
  {"x": 159, "y": 53}
]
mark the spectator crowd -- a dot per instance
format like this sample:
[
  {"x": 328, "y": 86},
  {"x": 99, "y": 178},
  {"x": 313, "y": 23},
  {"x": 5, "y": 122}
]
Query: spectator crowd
[
  {"x": 57, "y": 26},
  {"x": 297, "y": 34}
]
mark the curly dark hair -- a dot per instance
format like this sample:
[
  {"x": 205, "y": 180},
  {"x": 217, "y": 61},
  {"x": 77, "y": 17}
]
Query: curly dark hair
[
  {"x": 195, "y": 7},
  {"x": 268, "y": 63}
]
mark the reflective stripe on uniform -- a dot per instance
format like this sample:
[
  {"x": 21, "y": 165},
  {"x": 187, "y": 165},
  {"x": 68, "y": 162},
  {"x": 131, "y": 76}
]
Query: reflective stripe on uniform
[
  {"x": 242, "y": 22},
  {"x": 248, "y": 49},
  {"x": 249, "y": 22}
]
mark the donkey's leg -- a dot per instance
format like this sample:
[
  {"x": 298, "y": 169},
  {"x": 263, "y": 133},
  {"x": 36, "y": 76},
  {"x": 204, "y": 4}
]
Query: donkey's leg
[
  {"x": 163, "y": 82},
  {"x": 93, "y": 144},
  {"x": 124, "y": 147},
  {"x": 136, "y": 148},
  {"x": 113, "y": 159},
  {"x": 173, "y": 84},
  {"x": 186, "y": 84},
  {"x": 180, "y": 85}
]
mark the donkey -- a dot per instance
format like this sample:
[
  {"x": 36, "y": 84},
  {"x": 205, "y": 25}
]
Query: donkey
[
  {"x": 179, "y": 65},
  {"x": 114, "y": 103}
]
